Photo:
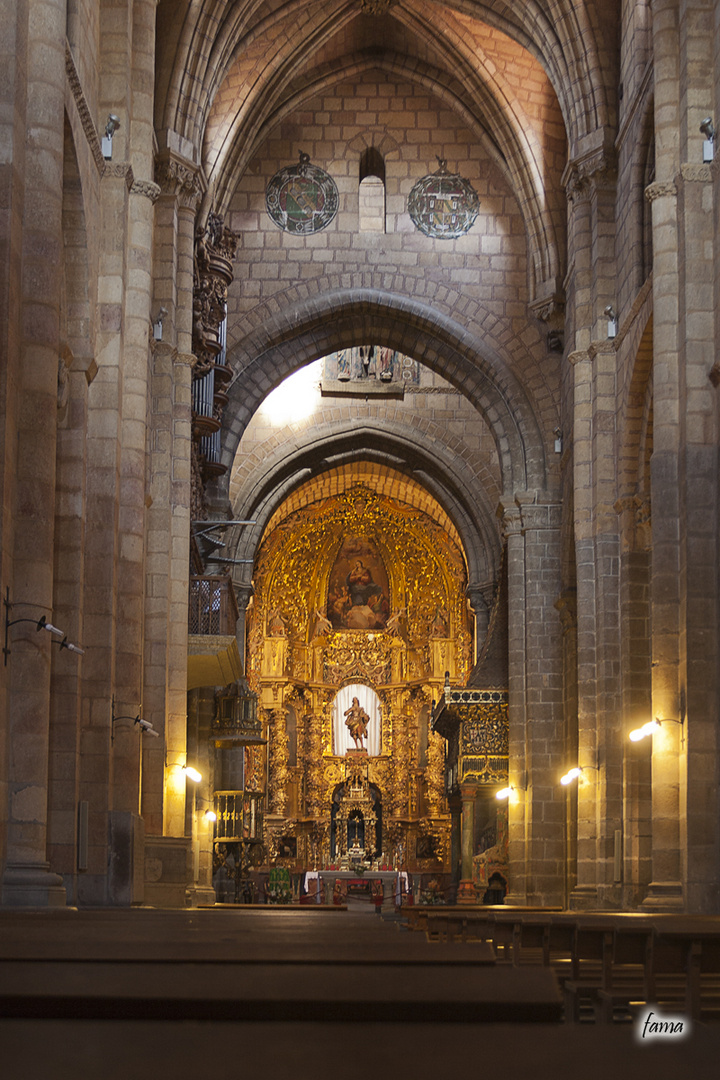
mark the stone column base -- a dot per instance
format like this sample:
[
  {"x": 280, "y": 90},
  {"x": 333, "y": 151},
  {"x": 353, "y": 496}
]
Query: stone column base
[
  {"x": 200, "y": 894},
  {"x": 466, "y": 892},
  {"x": 32, "y": 885},
  {"x": 168, "y": 871},
  {"x": 664, "y": 896},
  {"x": 584, "y": 898}
]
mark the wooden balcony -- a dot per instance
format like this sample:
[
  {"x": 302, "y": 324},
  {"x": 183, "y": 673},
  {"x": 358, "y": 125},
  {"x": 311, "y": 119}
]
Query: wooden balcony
[{"x": 212, "y": 607}]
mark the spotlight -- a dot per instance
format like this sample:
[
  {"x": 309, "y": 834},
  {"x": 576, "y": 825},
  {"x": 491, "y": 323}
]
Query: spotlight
[
  {"x": 707, "y": 128},
  {"x": 612, "y": 326},
  {"x": 644, "y": 731},
  {"x": 210, "y": 815},
  {"x": 146, "y": 727},
  {"x": 571, "y": 775},
  {"x": 113, "y": 123},
  {"x": 158, "y": 324},
  {"x": 508, "y": 793},
  {"x": 193, "y": 774}
]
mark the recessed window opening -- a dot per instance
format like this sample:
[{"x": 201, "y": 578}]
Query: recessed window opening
[{"x": 371, "y": 217}]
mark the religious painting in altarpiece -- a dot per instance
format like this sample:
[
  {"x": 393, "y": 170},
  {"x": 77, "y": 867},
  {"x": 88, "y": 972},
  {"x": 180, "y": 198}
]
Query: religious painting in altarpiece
[{"x": 347, "y": 591}]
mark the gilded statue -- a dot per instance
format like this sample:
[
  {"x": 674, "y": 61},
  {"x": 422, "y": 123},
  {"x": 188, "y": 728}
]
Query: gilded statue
[{"x": 356, "y": 721}]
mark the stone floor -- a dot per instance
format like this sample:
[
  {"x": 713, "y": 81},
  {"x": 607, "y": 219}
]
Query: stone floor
[{"x": 133, "y": 994}]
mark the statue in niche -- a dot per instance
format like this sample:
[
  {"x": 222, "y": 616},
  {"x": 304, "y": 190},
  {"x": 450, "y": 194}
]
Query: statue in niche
[
  {"x": 344, "y": 362},
  {"x": 276, "y": 623},
  {"x": 394, "y": 623},
  {"x": 357, "y": 368},
  {"x": 439, "y": 624},
  {"x": 323, "y": 625},
  {"x": 356, "y": 721},
  {"x": 384, "y": 363}
]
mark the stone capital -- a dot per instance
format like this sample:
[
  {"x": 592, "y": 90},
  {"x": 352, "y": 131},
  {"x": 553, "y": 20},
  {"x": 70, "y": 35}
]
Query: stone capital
[
  {"x": 549, "y": 304},
  {"x": 146, "y": 188},
  {"x": 592, "y": 168},
  {"x": 119, "y": 170},
  {"x": 480, "y": 596},
  {"x": 179, "y": 178},
  {"x": 661, "y": 190},
  {"x": 692, "y": 173}
]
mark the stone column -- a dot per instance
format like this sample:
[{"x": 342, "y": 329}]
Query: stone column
[
  {"x": 666, "y": 890},
  {"x": 168, "y": 535},
  {"x": 536, "y": 820},
  {"x": 135, "y": 390},
  {"x": 518, "y": 820},
  {"x": 41, "y": 58},
  {"x": 466, "y": 888},
  {"x": 480, "y": 597},
  {"x": 567, "y": 609}
]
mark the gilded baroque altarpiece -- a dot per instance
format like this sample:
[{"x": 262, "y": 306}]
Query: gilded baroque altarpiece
[{"x": 357, "y": 589}]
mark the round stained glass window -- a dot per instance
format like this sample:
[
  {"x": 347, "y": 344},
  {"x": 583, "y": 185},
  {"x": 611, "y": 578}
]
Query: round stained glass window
[
  {"x": 443, "y": 205},
  {"x": 302, "y": 199}
]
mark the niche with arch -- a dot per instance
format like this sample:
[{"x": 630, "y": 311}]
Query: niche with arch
[{"x": 371, "y": 211}]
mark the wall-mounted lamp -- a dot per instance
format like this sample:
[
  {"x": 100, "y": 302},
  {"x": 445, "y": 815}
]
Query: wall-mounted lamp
[
  {"x": 637, "y": 734},
  {"x": 612, "y": 326},
  {"x": 509, "y": 793},
  {"x": 145, "y": 726},
  {"x": 707, "y": 128},
  {"x": 210, "y": 815},
  {"x": 557, "y": 432},
  {"x": 113, "y": 123},
  {"x": 575, "y": 773},
  {"x": 158, "y": 324},
  {"x": 40, "y": 624},
  {"x": 192, "y": 774}
]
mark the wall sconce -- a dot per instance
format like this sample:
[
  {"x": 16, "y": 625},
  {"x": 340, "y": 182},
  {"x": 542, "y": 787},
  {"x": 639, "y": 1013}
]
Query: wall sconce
[
  {"x": 707, "y": 128},
  {"x": 612, "y": 326},
  {"x": 40, "y": 624},
  {"x": 575, "y": 773},
  {"x": 637, "y": 734},
  {"x": 145, "y": 726},
  {"x": 193, "y": 774},
  {"x": 113, "y": 123},
  {"x": 509, "y": 793},
  {"x": 158, "y": 324},
  {"x": 210, "y": 816}
]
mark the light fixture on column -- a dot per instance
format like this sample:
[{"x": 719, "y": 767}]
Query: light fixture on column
[
  {"x": 210, "y": 815},
  {"x": 612, "y": 326},
  {"x": 557, "y": 432},
  {"x": 707, "y": 128},
  {"x": 39, "y": 624},
  {"x": 192, "y": 774},
  {"x": 113, "y": 123},
  {"x": 575, "y": 773},
  {"x": 637, "y": 734},
  {"x": 509, "y": 793},
  {"x": 158, "y": 324},
  {"x": 145, "y": 726}
]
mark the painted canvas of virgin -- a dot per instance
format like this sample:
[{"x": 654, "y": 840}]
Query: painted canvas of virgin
[{"x": 358, "y": 591}]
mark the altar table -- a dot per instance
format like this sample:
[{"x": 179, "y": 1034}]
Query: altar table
[{"x": 399, "y": 877}]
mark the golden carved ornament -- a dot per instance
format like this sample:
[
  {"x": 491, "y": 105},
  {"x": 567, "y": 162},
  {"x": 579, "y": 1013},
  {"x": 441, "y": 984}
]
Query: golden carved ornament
[{"x": 357, "y": 654}]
